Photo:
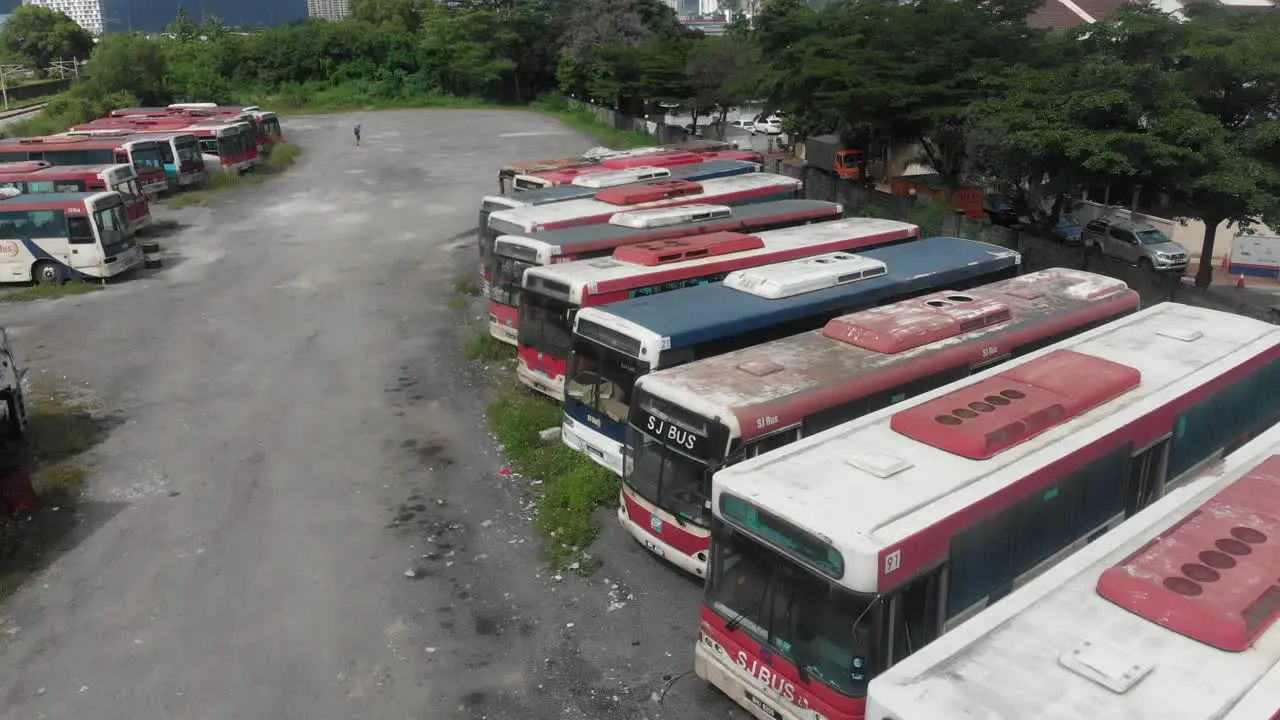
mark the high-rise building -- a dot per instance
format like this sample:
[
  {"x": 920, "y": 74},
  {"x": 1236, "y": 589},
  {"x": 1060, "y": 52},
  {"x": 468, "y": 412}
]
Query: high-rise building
[
  {"x": 85, "y": 13},
  {"x": 328, "y": 9}
]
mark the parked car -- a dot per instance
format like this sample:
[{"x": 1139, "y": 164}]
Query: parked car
[
  {"x": 771, "y": 125},
  {"x": 1067, "y": 230},
  {"x": 1135, "y": 243},
  {"x": 741, "y": 124},
  {"x": 1000, "y": 210}
]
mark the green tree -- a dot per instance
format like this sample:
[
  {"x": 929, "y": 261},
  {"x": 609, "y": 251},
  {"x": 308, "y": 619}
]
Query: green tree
[
  {"x": 392, "y": 15},
  {"x": 131, "y": 64},
  {"x": 183, "y": 28},
  {"x": 1228, "y": 67},
  {"x": 724, "y": 72},
  {"x": 40, "y": 36}
]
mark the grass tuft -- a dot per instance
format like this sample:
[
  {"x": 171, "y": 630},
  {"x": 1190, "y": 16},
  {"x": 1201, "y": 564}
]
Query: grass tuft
[
  {"x": 466, "y": 286},
  {"x": 484, "y": 347},
  {"x": 283, "y": 156},
  {"x": 47, "y": 291},
  {"x": 581, "y": 119},
  {"x": 572, "y": 485}
]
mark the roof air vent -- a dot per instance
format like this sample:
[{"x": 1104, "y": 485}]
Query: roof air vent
[
  {"x": 693, "y": 247},
  {"x": 1112, "y": 667},
  {"x": 990, "y": 416},
  {"x": 913, "y": 323},
  {"x": 666, "y": 217},
  {"x": 1212, "y": 575},
  {"x": 880, "y": 464},
  {"x": 648, "y": 192},
  {"x": 760, "y": 368},
  {"x": 796, "y": 277},
  {"x": 1183, "y": 334},
  {"x": 620, "y": 177}
]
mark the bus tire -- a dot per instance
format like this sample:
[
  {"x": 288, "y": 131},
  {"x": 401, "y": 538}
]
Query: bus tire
[
  {"x": 46, "y": 272},
  {"x": 16, "y": 428}
]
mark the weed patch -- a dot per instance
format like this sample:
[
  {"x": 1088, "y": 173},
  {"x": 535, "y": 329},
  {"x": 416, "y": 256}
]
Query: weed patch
[
  {"x": 572, "y": 485},
  {"x": 59, "y": 433},
  {"x": 466, "y": 286},
  {"x": 484, "y": 347},
  {"x": 581, "y": 119},
  {"x": 49, "y": 291},
  {"x": 283, "y": 156}
]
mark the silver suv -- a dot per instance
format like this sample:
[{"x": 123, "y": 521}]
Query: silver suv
[{"x": 1135, "y": 243}]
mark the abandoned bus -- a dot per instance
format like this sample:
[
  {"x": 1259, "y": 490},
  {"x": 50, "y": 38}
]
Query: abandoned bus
[
  {"x": 514, "y": 254},
  {"x": 604, "y": 204},
  {"x": 180, "y": 151},
  {"x": 38, "y": 177},
  {"x": 510, "y": 170},
  {"x": 53, "y": 237},
  {"x": 1170, "y": 616},
  {"x": 613, "y": 346},
  {"x": 760, "y": 398},
  {"x": 872, "y": 538},
  {"x": 145, "y": 156},
  {"x": 553, "y": 294},
  {"x": 587, "y": 186}
]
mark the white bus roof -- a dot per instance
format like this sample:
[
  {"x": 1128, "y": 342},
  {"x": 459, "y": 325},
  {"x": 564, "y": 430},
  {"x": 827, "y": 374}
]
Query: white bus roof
[
  {"x": 631, "y": 197},
  {"x": 780, "y": 379},
  {"x": 1118, "y": 631},
  {"x": 869, "y": 485},
  {"x": 633, "y": 262}
]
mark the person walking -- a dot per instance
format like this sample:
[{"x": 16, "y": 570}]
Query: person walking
[{"x": 357, "y": 136}]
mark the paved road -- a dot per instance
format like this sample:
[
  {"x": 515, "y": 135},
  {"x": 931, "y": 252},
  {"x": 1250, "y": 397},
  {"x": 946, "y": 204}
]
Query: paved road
[{"x": 296, "y": 428}]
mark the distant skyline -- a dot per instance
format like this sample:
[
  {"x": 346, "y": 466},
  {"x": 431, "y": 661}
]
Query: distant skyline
[{"x": 154, "y": 15}]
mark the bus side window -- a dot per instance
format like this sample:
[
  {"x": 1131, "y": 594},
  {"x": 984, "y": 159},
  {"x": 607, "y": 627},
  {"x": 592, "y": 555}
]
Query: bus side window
[
  {"x": 772, "y": 442},
  {"x": 80, "y": 231},
  {"x": 45, "y": 222},
  {"x": 67, "y": 186},
  {"x": 41, "y": 186},
  {"x": 11, "y": 225}
]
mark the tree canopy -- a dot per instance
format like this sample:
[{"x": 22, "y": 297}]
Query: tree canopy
[{"x": 39, "y": 36}]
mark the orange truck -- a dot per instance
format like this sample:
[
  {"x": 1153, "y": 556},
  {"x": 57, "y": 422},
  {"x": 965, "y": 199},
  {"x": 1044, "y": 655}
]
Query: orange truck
[{"x": 828, "y": 153}]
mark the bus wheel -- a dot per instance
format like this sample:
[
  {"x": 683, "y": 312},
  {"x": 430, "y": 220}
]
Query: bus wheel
[
  {"x": 46, "y": 272},
  {"x": 17, "y": 429}
]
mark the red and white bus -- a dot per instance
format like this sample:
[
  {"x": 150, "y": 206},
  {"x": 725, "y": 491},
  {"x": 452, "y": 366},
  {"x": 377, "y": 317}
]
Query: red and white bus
[
  {"x": 36, "y": 177},
  {"x": 596, "y": 210},
  {"x": 688, "y": 421},
  {"x": 1171, "y": 616},
  {"x": 52, "y": 237},
  {"x": 233, "y": 143},
  {"x": 836, "y": 556},
  {"x": 513, "y": 254},
  {"x": 510, "y": 170},
  {"x": 180, "y": 151},
  {"x": 553, "y": 294},
  {"x": 146, "y": 156},
  {"x": 550, "y": 178}
]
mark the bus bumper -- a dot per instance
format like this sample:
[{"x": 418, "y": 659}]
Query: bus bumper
[
  {"x": 716, "y": 668},
  {"x": 594, "y": 445},
  {"x": 551, "y": 387},
  {"x": 503, "y": 333},
  {"x": 187, "y": 179},
  {"x": 689, "y": 564}
]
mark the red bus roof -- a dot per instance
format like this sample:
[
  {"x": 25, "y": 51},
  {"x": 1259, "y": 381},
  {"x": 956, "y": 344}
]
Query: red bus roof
[
  {"x": 648, "y": 192},
  {"x": 48, "y": 171},
  {"x": 661, "y": 252},
  {"x": 55, "y": 143}
]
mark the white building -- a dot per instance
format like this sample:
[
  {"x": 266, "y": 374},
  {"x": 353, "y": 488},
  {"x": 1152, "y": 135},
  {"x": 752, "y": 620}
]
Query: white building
[
  {"x": 85, "y": 13},
  {"x": 328, "y": 9}
]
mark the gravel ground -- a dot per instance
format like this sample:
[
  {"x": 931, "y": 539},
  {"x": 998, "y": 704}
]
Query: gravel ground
[{"x": 293, "y": 430}]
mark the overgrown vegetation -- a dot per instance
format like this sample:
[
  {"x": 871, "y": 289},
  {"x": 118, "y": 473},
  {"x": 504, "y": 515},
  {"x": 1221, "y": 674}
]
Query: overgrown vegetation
[
  {"x": 572, "y": 485},
  {"x": 582, "y": 119},
  {"x": 482, "y": 346},
  {"x": 61, "y": 431},
  {"x": 49, "y": 291},
  {"x": 282, "y": 157}
]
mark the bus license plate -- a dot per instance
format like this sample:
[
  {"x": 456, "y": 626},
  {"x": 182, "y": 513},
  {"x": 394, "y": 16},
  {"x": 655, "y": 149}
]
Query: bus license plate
[
  {"x": 654, "y": 548},
  {"x": 761, "y": 704}
]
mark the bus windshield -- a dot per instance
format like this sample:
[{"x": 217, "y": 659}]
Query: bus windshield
[
  {"x": 507, "y": 278},
  {"x": 667, "y": 479},
  {"x": 111, "y": 222},
  {"x": 148, "y": 157},
  {"x": 129, "y": 189},
  {"x": 546, "y": 323},
  {"x": 601, "y": 378},
  {"x": 817, "y": 626},
  {"x": 188, "y": 151}
]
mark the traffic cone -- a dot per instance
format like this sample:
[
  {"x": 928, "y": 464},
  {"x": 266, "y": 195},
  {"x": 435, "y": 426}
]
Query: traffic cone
[{"x": 1240, "y": 281}]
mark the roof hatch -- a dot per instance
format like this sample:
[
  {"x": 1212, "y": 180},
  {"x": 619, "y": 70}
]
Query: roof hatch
[
  {"x": 1063, "y": 282},
  {"x": 1011, "y": 407},
  {"x": 1212, "y": 576},
  {"x": 911, "y": 324},
  {"x": 620, "y": 177},
  {"x": 648, "y": 192},
  {"x": 665, "y": 217},
  {"x": 663, "y": 252},
  {"x": 796, "y": 277}
]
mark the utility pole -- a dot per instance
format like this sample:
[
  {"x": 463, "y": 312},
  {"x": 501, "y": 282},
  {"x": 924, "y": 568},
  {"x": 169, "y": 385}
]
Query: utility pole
[
  {"x": 62, "y": 66},
  {"x": 5, "y": 72}
]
